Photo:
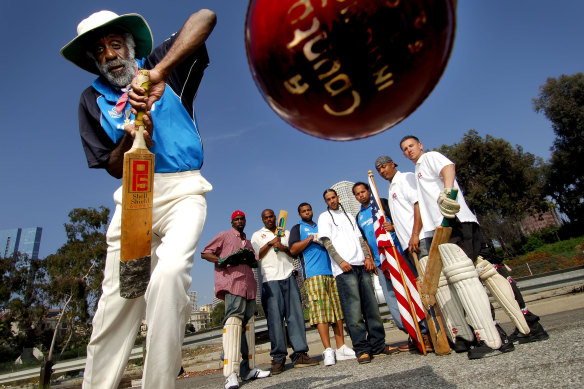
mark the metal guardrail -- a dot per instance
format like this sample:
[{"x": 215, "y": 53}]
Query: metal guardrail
[{"x": 528, "y": 285}]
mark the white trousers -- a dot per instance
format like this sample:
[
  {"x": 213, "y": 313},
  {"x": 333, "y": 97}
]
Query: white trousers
[{"x": 178, "y": 217}]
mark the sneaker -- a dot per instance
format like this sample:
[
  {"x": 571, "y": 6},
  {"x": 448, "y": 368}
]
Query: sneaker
[
  {"x": 256, "y": 373},
  {"x": 304, "y": 360},
  {"x": 388, "y": 350},
  {"x": 231, "y": 382},
  {"x": 460, "y": 345},
  {"x": 278, "y": 366},
  {"x": 536, "y": 334},
  {"x": 506, "y": 345},
  {"x": 481, "y": 350},
  {"x": 344, "y": 353},
  {"x": 328, "y": 357},
  {"x": 364, "y": 358}
]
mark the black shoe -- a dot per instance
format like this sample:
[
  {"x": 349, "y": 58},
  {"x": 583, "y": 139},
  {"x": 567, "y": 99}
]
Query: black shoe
[
  {"x": 481, "y": 350},
  {"x": 460, "y": 345},
  {"x": 536, "y": 334},
  {"x": 506, "y": 344}
]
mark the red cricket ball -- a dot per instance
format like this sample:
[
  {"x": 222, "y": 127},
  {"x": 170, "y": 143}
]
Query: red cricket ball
[{"x": 347, "y": 69}]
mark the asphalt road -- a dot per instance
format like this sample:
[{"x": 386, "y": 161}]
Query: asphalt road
[{"x": 554, "y": 363}]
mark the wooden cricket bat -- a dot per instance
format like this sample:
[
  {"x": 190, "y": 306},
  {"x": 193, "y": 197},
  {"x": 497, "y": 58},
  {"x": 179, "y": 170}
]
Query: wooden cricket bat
[
  {"x": 137, "y": 200},
  {"x": 433, "y": 316},
  {"x": 281, "y": 226},
  {"x": 434, "y": 266}
]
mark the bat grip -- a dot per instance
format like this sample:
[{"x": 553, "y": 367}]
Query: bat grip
[
  {"x": 143, "y": 78},
  {"x": 453, "y": 194}
]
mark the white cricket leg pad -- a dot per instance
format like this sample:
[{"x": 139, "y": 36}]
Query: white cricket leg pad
[
  {"x": 231, "y": 345},
  {"x": 462, "y": 275},
  {"x": 451, "y": 309},
  {"x": 502, "y": 292},
  {"x": 250, "y": 339}
]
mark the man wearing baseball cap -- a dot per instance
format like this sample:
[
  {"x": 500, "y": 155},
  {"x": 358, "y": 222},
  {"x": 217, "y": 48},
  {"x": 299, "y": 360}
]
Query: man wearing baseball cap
[
  {"x": 233, "y": 256},
  {"x": 114, "y": 47}
]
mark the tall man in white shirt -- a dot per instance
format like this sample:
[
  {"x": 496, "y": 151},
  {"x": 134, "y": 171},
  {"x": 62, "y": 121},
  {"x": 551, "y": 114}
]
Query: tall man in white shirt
[
  {"x": 436, "y": 176},
  {"x": 351, "y": 268},
  {"x": 280, "y": 296}
]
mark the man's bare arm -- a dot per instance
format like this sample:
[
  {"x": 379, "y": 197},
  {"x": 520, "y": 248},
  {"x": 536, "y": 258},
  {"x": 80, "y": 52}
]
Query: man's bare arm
[
  {"x": 448, "y": 174},
  {"x": 192, "y": 35},
  {"x": 414, "y": 243},
  {"x": 210, "y": 257}
]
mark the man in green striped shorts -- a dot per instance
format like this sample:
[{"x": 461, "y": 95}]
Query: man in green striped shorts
[{"x": 321, "y": 287}]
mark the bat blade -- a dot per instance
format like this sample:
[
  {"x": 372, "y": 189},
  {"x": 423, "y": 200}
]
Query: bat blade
[
  {"x": 137, "y": 202},
  {"x": 282, "y": 218}
]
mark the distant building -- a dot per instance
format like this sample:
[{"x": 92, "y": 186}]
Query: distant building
[
  {"x": 200, "y": 319},
  {"x": 216, "y": 301},
  {"x": 346, "y": 197},
  {"x": 26, "y": 241},
  {"x": 193, "y": 298},
  {"x": 206, "y": 308},
  {"x": 531, "y": 224}
]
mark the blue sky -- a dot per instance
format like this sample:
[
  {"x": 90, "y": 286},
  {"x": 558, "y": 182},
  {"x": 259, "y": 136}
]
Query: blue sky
[{"x": 503, "y": 52}]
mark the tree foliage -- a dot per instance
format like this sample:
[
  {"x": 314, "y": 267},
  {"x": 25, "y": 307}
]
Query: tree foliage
[
  {"x": 497, "y": 177},
  {"x": 562, "y": 102},
  {"x": 76, "y": 271},
  {"x": 501, "y": 183},
  {"x": 218, "y": 314},
  {"x": 22, "y": 302}
]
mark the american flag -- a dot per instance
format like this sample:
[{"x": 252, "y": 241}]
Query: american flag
[{"x": 391, "y": 270}]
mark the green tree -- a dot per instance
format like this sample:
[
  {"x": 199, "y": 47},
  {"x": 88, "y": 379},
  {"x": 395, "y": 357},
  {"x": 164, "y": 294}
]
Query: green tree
[
  {"x": 501, "y": 183},
  {"x": 218, "y": 314},
  {"x": 23, "y": 301},
  {"x": 76, "y": 271},
  {"x": 561, "y": 100}
]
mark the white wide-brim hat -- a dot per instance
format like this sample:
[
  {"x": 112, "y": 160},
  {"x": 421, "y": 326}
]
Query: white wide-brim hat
[{"x": 76, "y": 50}]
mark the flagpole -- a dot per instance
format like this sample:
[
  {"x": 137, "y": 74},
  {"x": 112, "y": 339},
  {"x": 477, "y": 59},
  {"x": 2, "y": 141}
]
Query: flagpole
[{"x": 412, "y": 310}]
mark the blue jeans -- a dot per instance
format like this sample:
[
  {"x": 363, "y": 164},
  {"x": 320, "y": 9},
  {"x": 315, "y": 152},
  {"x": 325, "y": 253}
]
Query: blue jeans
[
  {"x": 392, "y": 305},
  {"x": 390, "y": 299},
  {"x": 237, "y": 306},
  {"x": 361, "y": 311},
  {"x": 281, "y": 300}
]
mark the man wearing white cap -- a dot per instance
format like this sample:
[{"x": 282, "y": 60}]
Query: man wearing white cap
[{"x": 114, "y": 48}]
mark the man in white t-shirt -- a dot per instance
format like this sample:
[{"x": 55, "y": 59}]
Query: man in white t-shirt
[
  {"x": 280, "y": 296},
  {"x": 352, "y": 266},
  {"x": 436, "y": 176},
  {"x": 403, "y": 204}
]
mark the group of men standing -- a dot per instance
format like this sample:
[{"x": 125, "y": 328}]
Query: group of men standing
[{"x": 339, "y": 251}]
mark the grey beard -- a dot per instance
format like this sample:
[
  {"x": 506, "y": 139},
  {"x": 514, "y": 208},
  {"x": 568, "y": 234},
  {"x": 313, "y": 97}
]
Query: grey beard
[{"x": 119, "y": 79}]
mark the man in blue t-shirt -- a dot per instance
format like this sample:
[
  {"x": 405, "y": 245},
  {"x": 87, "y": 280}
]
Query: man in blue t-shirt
[
  {"x": 114, "y": 47},
  {"x": 365, "y": 222},
  {"x": 321, "y": 286}
]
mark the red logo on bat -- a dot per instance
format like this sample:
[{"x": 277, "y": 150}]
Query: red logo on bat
[{"x": 140, "y": 176}]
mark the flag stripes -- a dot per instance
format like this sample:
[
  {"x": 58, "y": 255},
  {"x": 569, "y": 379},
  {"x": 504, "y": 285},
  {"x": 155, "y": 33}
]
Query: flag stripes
[{"x": 389, "y": 265}]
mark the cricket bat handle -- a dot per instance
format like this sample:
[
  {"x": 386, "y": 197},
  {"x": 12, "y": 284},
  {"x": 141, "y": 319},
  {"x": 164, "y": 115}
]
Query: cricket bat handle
[
  {"x": 143, "y": 78},
  {"x": 453, "y": 194}
]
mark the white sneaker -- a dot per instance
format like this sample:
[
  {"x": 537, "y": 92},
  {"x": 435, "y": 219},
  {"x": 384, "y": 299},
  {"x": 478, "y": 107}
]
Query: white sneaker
[
  {"x": 256, "y": 373},
  {"x": 328, "y": 357},
  {"x": 231, "y": 382},
  {"x": 345, "y": 353}
]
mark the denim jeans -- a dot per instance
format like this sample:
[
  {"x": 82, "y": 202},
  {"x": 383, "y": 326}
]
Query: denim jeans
[
  {"x": 361, "y": 311},
  {"x": 281, "y": 300},
  {"x": 237, "y": 306}
]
